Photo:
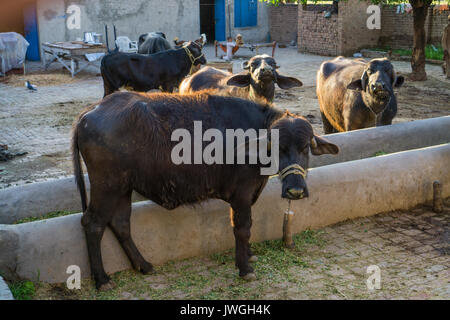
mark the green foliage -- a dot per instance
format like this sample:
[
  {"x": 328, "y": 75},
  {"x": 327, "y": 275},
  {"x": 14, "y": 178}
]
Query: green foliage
[
  {"x": 379, "y": 153},
  {"x": 431, "y": 52},
  {"x": 23, "y": 290},
  {"x": 434, "y": 53},
  {"x": 49, "y": 215}
]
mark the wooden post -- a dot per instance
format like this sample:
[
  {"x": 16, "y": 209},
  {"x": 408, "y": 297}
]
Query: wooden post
[
  {"x": 437, "y": 197},
  {"x": 287, "y": 229}
]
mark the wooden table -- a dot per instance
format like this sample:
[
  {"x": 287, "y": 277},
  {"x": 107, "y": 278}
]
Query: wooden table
[
  {"x": 254, "y": 46},
  {"x": 75, "y": 52}
]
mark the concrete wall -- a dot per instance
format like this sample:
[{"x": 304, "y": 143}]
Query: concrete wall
[
  {"x": 40, "y": 198},
  {"x": 283, "y": 22},
  {"x": 176, "y": 18},
  {"x": 250, "y": 34},
  {"x": 179, "y": 18},
  {"x": 337, "y": 192}
]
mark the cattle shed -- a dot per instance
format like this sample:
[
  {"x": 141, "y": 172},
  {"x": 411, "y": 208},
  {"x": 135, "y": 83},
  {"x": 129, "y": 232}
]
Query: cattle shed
[{"x": 62, "y": 20}]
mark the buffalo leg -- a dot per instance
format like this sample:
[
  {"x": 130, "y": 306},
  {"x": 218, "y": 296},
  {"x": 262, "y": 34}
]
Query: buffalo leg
[
  {"x": 120, "y": 225},
  {"x": 167, "y": 87},
  {"x": 242, "y": 222},
  {"x": 327, "y": 127},
  {"x": 94, "y": 228},
  {"x": 107, "y": 87}
]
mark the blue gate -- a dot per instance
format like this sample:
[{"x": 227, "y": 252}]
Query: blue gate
[
  {"x": 31, "y": 32},
  {"x": 219, "y": 16},
  {"x": 245, "y": 13}
]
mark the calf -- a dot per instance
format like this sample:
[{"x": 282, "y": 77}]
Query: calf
[
  {"x": 355, "y": 94},
  {"x": 153, "y": 42},
  {"x": 145, "y": 72},
  {"x": 256, "y": 81},
  {"x": 126, "y": 144}
]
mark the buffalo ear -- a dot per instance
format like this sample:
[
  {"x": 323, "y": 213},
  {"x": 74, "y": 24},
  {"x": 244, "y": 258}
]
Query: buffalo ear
[
  {"x": 288, "y": 82},
  {"x": 239, "y": 80},
  {"x": 355, "y": 85},
  {"x": 323, "y": 146},
  {"x": 399, "y": 81}
]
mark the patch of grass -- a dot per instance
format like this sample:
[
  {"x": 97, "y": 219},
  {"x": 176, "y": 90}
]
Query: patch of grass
[
  {"x": 23, "y": 290},
  {"x": 49, "y": 215},
  {"x": 431, "y": 52},
  {"x": 379, "y": 153},
  {"x": 213, "y": 277}
]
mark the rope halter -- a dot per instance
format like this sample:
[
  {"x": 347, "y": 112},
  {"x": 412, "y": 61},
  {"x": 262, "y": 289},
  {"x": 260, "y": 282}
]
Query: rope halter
[
  {"x": 292, "y": 169},
  {"x": 191, "y": 56}
]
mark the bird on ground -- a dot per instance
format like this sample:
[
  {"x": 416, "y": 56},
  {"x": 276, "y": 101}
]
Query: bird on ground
[{"x": 30, "y": 86}]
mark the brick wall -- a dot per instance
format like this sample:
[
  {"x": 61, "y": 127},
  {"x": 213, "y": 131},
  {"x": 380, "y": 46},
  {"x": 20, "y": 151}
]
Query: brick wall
[
  {"x": 283, "y": 23},
  {"x": 346, "y": 32},
  {"x": 397, "y": 29},
  {"x": 317, "y": 34}
]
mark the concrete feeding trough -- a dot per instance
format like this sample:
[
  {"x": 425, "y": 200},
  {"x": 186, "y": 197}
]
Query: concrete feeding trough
[
  {"x": 37, "y": 199},
  {"x": 338, "y": 192}
]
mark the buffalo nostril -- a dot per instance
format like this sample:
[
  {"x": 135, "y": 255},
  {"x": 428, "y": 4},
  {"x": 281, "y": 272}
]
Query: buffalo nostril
[{"x": 295, "y": 192}]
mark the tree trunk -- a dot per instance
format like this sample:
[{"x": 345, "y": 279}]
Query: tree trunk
[{"x": 420, "y": 10}]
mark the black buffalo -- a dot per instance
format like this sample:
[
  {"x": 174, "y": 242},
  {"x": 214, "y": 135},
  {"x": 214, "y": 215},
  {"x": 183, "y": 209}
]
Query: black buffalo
[
  {"x": 126, "y": 145},
  {"x": 153, "y": 42},
  {"x": 355, "y": 94},
  {"x": 141, "y": 72},
  {"x": 256, "y": 81}
]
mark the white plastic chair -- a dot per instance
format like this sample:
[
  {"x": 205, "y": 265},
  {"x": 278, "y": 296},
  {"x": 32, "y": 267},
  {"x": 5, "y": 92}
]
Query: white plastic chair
[{"x": 126, "y": 45}]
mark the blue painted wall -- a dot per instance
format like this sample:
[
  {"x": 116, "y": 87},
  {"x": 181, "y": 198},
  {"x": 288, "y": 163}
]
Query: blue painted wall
[
  {"x": 219, "y": 15},
  {"x": 31, "y": 32},
  {"x": 245, "y": 13}
]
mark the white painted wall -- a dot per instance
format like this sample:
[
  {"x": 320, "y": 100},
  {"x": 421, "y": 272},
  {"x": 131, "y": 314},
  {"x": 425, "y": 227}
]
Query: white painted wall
[{"x": 176, "y": 18}]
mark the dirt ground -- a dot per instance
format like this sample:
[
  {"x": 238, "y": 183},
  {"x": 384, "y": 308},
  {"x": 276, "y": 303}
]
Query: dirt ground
[
  {"x": 410, "y": 248},
  {"x": 40, "y": 123}
]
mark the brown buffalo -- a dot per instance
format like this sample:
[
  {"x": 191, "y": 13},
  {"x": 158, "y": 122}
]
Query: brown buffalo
[
  {"x": 256, "y": 81},
  {"x": 126, "y": 144},
  {"x": 355, "y": 94}
]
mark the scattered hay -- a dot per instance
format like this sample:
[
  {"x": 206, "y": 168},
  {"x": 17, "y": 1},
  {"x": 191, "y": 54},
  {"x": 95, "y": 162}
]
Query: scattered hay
[{"x": 47, "y": 78}]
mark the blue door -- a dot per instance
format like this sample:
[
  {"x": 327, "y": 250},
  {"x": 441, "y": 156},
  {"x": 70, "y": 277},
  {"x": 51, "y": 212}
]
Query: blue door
[
  {"x": 245, "y": 13},
  {"x": 219, "y": 16},
  {"x": 31, "y": 32}
]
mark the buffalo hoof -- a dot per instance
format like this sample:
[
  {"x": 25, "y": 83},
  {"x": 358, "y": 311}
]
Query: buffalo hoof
[
  {"x": 147, "y": 269},
  {"x": 253, "y": 259},
  {"x": 249, "y": 277},
  {"x": 107, "y": 286}
]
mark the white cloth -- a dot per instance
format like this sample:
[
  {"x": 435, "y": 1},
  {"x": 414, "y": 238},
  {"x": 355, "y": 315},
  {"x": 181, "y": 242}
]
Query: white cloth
[
  {"x": 230, "y": 46},
  {"x": 13, "y": 50}
]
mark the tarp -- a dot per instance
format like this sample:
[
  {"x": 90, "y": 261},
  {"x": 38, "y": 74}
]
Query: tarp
[{"x": 13, "y": 49}]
